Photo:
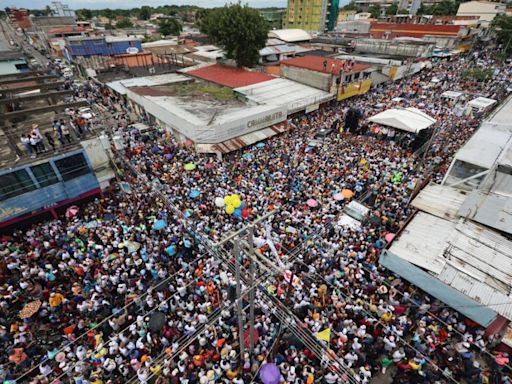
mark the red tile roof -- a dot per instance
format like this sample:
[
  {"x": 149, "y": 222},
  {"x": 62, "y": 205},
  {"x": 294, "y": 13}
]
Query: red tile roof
[
  {"x": 413, "y": 30},
  {"x": 229, "y": 76},
  {"x": 316, "y": 63}
]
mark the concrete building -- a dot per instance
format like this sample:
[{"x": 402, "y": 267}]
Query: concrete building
[
  {"x": 59, "y": 9},
  {"x": 407, "y": 4},
  {"x": 12, "y": 62},
  {"x": 312, "y": 15},
  {"x": 444, "y": 36},
  {"x": 457, "y": 245},
  {"x": 341, "y": 78},
  {"x": 485, "y": 10}
]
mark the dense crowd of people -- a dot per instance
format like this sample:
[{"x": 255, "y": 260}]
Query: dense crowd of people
[{"x": 131, "y": 289}]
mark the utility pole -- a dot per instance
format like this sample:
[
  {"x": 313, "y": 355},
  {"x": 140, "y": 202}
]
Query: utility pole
[
  {"x": 252, "y": 271},
  {"x": 239, "y": 307}
]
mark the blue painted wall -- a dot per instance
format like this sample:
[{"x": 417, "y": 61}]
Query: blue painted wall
[
  {"x": 45, "y": 197},
  {"x": 470, "y": 308},
  {"x": 99, "y": 47}
]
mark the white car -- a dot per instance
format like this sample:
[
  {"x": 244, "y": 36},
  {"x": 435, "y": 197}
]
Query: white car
[{"x": 86, "y": 113}]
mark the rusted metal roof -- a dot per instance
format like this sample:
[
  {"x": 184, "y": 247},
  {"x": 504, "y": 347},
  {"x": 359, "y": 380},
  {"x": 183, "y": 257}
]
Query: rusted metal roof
[
  {"x": 323, "y": 64},
  {"x": 229, "y": 76}
]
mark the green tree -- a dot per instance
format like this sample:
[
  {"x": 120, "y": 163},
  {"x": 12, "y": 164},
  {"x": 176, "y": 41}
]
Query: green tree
[
  {"x": 392, "y": 9},
  {"x": 445, "y": 8},
  {"x": 124, "y": 23},
  {"x": 84, "y": 14},
  {"x": 108, "y": 13},
  {"x": 241, "y": 31},
  {"x": 477, "y": 74},
  {"x": 145, "y": 12},
  {"x": 351, "y": 7},
  {"x": 169, "y": 27},
  {"x": 374, "y": 11},
  {"x": 502, "y": 26},
  {"x": 200, "y": 15}
]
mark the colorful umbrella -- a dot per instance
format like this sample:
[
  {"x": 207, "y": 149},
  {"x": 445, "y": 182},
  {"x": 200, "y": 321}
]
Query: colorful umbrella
[
  {"x": 157, "y": 321},
  {"x": 270, "y": 374},
  {"x": 72, "y": 211},
  {"x": 247, "y": 336},
  {"x": 389, "y": 237},
  {"x": 159, "y": 224},
  {"x": 338, "y": 196},
  {"x": 312, "y": 203},
  {"x": 247, "y": 156},
  {"x": 30, "y": 309},
  {"x": 190, "y": 167},
  {"x": 260, "y": 145},
  {"x": 347, "y": 193},
  {"x": 193, "y": 194}
]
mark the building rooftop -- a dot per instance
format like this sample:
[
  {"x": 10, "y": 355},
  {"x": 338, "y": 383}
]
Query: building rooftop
[
  {"x": 316, "y": 63},
  {"x": 280, "y": 91},
  {"x": 377, "y": 30},
  {"x": 290, "y": 35},
  {"x": 228, "y": 76}
]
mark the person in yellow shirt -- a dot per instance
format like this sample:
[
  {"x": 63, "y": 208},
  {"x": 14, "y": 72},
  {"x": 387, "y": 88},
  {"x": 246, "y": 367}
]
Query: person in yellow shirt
[{"x": 55, "y": 299}]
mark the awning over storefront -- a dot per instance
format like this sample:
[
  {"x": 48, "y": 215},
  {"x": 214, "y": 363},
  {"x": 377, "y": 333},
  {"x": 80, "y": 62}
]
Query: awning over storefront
[{"x": 244, "y": 140}]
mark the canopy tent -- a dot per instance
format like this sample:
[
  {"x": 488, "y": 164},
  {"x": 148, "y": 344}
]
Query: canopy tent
[{"x": 405, "y": 119}]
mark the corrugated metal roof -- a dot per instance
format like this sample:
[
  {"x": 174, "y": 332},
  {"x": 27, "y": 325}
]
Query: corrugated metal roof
[
  {"x": 481, "y": 253},
  {"x": 279, "y": 91},
  {"x": 489, "y": 141},
  {"x": 489, "y": 209},
  {"x": 440, "y": 201},
  {"x": 151, "y": 81},
  {"x": 477, "y": 290},
  {"x": 470, "y": 258},
  {"x": 423, "y": 240}
]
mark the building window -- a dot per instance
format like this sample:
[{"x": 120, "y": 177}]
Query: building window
[
  {"x": 45, "y": 175},
  {"x": 72, "y": 167},
  {"x": 131, "y": 43},
  {"x": 15, "y": 183},
  {"x": 109, "y": 45},
  {"x": 356, "y": 76}
]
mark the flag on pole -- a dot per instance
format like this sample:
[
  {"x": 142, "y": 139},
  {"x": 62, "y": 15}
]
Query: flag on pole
[{"x": 324, "y": 335}]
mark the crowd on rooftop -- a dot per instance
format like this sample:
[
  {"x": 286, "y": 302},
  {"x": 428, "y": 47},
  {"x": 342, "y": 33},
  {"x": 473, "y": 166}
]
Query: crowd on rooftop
[{"x": 131, "y": 289}]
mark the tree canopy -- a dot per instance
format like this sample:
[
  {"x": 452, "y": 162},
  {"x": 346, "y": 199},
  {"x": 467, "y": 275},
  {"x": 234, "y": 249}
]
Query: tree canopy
[
  {"x": 169, "y": 27},
  {"x": 241, "y": 31},
  {"x": 124, "y": 23},
  {"x": 502, "y": 25},
  {"x": 374, "y": 11},
  {"x": 351, "y": 7},
  {"x": 443, "y": 8},
  {"x": 392, "y": 9}
]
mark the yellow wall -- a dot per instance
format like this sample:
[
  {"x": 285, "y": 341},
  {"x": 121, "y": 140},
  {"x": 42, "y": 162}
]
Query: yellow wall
[
  {"x": 304, "y": 14},
  {"x": 354, "y": 89}
]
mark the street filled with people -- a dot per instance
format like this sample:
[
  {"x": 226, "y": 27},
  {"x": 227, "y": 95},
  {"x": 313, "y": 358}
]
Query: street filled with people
[{"x": 138, "y": 285}]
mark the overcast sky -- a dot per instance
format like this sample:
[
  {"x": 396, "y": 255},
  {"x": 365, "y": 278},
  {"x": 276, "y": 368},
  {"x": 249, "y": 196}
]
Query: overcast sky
[{"x": 39, "y": 4}]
